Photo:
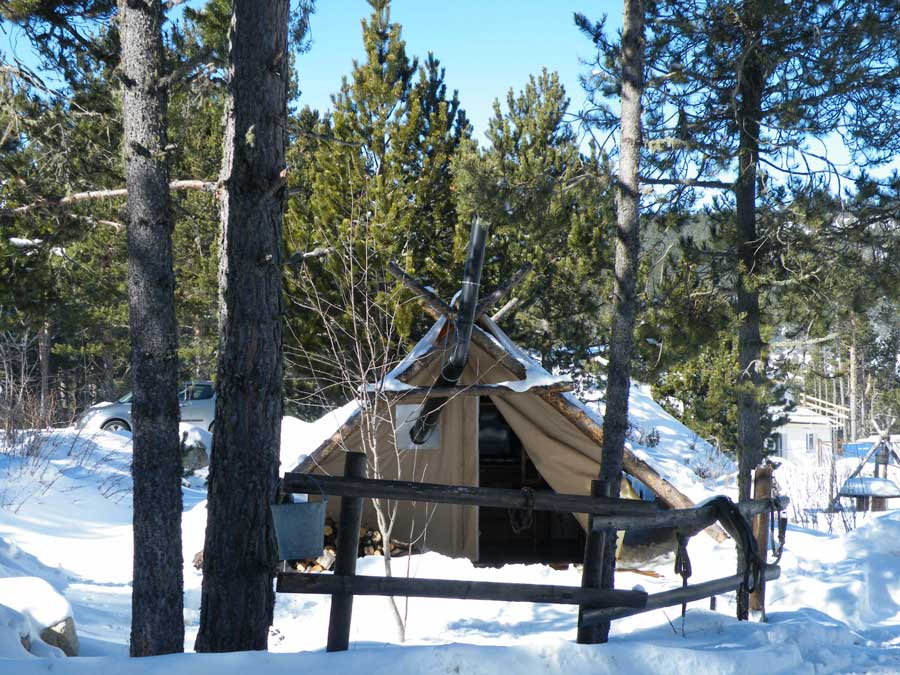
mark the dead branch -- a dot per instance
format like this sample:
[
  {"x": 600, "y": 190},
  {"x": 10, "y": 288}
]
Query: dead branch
[
  {"x": 503, "y": 290},
  {"x": 57, "y": 203},
  {"x": 433, "y": 304},
  {"x": 506, "y": 310}
]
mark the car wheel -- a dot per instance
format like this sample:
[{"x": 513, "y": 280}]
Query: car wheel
[
  {"x": 211, "y": 425},
  {"x": 116, "y": 425}
]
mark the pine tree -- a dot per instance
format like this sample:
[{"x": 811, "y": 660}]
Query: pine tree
[
  {"x": 157, "y": 623},
  {"x": 543, "y": 199},
  {"x": 376, "y": 179},
  {"x": 735, "y": 90},
  {"x": 239, "y": 552}
]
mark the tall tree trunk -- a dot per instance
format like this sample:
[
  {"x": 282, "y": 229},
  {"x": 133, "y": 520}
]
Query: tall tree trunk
[
  {"x": 752, "y": 369},
  {"x": 157, "y": 622},
  {"x": 44, "y": 346},
  {"x": 615, "y": 419},
  {"x": 108, "y": 362},
  {"x": 854, "y": 380},
  {"x": 240, "y": 553}
]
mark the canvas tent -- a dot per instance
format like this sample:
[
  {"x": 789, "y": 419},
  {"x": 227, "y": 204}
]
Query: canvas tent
[{"x": 508, "y": 423}]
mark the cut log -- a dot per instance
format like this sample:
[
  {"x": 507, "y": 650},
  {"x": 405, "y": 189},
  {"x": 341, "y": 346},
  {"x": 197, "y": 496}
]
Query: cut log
[
  {"x": 505, "y": 311},
  {"x": 496, "y": 352},
  {"x": 677, "y": 596},
  {"x": 336, "y": 440}
]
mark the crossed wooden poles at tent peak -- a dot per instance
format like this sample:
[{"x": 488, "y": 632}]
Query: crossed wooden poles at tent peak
[{"x": 438, "y": 308}]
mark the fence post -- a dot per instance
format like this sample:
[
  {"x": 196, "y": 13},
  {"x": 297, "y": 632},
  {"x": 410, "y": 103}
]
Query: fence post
[
  {"x": 347, "y": 552},
  {"x": 592, "y": 573},
  {"x": 762, "y": 489}
]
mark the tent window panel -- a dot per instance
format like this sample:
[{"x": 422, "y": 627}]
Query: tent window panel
[
  {"x": 405, "y": 416},
  {"x": 497, "y": 444}
]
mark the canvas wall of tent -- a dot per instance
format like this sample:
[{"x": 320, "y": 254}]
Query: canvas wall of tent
[{"x": 509, "y": 423}]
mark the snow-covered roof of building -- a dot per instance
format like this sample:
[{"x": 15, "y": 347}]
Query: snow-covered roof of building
[
  {"x": 804, "y": 417},
  {"x": 869, "y": 486}
]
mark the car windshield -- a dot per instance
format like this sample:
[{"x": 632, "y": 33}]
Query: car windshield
[{"x": 196, "y": 391}]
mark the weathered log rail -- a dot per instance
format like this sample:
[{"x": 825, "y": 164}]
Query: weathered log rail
[{"x": 606, "y": 513}]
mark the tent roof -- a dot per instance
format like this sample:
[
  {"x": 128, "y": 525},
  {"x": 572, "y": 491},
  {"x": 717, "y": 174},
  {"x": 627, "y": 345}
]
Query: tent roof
[{"x": 669, "y": 459}]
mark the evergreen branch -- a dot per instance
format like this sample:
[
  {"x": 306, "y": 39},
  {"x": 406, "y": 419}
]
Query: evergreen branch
[{"x": 689, "y": 182}]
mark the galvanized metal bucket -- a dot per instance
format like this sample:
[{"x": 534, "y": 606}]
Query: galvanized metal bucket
[{"x": 299, "y": 529}]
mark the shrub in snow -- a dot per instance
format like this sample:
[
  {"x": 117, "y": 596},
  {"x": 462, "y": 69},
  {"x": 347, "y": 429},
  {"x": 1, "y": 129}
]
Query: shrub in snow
[{"x": 195, "y": 447}]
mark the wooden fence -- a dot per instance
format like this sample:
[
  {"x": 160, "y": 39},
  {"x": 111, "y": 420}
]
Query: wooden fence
[{"x": 606, "y": 514}]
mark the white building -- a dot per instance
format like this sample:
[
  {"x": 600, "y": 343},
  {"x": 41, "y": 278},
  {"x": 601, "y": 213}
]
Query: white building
[{"x": 805, "y": 434}]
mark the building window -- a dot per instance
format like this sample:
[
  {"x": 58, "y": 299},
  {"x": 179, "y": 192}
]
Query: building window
[
  {"x": 779, "y": 445},
  {"x": 810, "y": 442}
]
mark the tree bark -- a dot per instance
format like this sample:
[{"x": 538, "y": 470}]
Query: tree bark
[
  {"x": 750, "y": 79},
  {"x": 615, "y": 419},
  {"x": 157, "y": 623},
  {"x": 44, "y": 346},
  {"x": 240, "y": 552},
  {"x": 854, "y": 381}
]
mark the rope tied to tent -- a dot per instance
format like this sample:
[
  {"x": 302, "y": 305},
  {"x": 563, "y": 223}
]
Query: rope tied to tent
[
  {"x": 522, "y": 519},
  {"x": 683, "y": 568}
]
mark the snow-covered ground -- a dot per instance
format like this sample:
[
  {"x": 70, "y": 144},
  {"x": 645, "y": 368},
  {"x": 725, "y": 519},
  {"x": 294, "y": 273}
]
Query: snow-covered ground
[{"x": 66, "y": 520}]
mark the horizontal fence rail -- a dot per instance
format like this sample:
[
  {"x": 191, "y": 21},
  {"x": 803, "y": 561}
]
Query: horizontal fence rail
[
  {"x": 608, "y": 512},
  {"x": 329, "y": 584},
  {"x": 677, "y": 596},
  {"x": 596, "y": 605}
]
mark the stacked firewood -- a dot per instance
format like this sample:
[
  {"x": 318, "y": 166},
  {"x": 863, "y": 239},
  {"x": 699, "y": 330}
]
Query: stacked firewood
[{"x": 370, "y": 543}]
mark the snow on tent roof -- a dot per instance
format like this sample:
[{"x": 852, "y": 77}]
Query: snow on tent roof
[
  {"x": 679, "y": 453},
  {"x": 869, "y": 486}
]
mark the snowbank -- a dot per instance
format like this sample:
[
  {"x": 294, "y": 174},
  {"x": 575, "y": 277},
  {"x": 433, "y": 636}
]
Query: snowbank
[{"x": 836, "y": 608}]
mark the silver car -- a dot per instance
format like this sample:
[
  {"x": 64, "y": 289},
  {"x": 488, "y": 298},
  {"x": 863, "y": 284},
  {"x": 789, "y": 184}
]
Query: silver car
[{"x": 196, "y": 403}]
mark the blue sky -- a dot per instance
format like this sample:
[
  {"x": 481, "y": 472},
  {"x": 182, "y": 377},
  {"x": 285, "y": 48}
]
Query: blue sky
[{"x": 486, "y": 46}]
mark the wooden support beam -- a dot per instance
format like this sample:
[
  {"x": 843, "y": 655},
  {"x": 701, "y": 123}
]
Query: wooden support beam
[
  {"x": 762, "y": 490},
  {"x": 620, "y": 514},
  {"x": 693, "y": 520},
  {"x": 676, "y": 596},
  {"x": 345, "y": 563},
  {"x": 504, "y": 311},
  {"x": 496, "y": 352},
  {"x": 336, "y": 440},
  {"x": 503, "y": 290},
  {"x": 432, "y": 303},
  {"x": 471, "y": 390},
  {"x": 592, "y": 571},
  {"x": 616, "y": 511},
  {"x": 668, "y": 493},
  {"x": 633, "y": 465},
  {"x": 293, "y": 582}
]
